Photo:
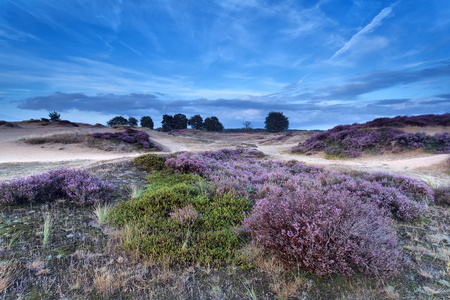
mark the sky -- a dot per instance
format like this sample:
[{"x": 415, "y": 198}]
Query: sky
[{"x": 321, "y": 63}]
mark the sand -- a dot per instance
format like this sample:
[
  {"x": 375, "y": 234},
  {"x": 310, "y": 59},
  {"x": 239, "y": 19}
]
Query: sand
[{"x": 20, "y": 159}]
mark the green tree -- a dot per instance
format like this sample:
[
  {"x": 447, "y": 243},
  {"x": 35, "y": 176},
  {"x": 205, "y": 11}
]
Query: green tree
[
  {"x": 147, "y": 122},
  {"x": 196, "y": 122},
  {"x": 119, "y": 120},
  {"x": 213, "y": 124},
  {"x": 167, "y": 123},
  {"x": 276, "y": 121},
  {"x": 54, "y": 116},
  {"x": 132, "y": 121},
  {"x": 179, "y": 121}
]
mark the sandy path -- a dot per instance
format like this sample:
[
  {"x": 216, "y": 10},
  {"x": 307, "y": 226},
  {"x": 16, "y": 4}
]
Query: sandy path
[{"x": 20, "y": 159}]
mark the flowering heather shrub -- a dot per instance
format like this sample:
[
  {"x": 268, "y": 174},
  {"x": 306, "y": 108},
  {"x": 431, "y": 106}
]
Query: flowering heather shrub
[
  {"x": 325, "y": 232},
  {"x": 401, "y": 121},
  {"x": 130, "y": 136},
  {"x": 352, "y": 140},
  {"x": 442, "y": 195},
  {"x": 237, "y": 170},
  {"x": 185, "y": 216},
  {"x": 77, "y": 185}
]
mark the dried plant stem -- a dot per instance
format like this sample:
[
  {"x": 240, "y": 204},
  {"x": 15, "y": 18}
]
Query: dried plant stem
[{"x": 47, "y": 227}]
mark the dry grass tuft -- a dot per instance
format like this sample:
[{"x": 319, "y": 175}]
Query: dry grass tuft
[
  {"x": 8, "y": 274},
  {"x": 105, "y": 282}
]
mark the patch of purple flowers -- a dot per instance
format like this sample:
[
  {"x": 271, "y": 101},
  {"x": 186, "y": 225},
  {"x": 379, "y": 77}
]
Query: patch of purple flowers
[
  {"x": 240, "y": 170},
  {"x": 352, "y": 140},
  {"x": 77, "y": 185},
  {"x": 185, "y": 216},
  {"x": 320, "y": 220},
  {"x": 130, "y": 136}
]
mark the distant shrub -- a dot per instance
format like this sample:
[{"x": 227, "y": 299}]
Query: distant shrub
[
  {"x": 119, "y": 120},
  {"x": 150, "y": 162},
  {"x": 402, "y": 121},
  {"x": 77, "y": 185},
  {"x": 130, "y": 136},
  {"x": 325, "y": 232},
  {"x": 442, "y": 196},
  {"x": 54, "y": 116}
]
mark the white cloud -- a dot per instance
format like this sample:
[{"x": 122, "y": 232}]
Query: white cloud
[{"x": 359, "y": 36}]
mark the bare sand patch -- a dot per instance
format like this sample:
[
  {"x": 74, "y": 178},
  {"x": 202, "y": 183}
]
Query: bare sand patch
[{"x": 18, "y": 158}]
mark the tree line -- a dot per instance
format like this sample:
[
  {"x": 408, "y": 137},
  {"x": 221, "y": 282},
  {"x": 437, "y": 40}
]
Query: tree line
[{"x": 275, "y": 122}]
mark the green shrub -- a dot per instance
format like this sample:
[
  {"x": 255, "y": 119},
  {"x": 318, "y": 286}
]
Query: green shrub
[
  {"x": 151, "y": 231},
  {"x": 150, "y": 162}
]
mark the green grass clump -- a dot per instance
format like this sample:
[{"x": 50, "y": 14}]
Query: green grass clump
[
  {"x": 150, "y": 162},
  {"x": 152, "y": 231}
]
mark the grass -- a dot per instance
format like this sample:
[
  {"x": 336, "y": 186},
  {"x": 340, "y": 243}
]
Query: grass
[{"x": 100, "y": 213}]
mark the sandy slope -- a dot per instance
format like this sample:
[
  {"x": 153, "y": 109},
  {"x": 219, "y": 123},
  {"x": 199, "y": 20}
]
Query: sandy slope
[{"x": 20, "y": 159}]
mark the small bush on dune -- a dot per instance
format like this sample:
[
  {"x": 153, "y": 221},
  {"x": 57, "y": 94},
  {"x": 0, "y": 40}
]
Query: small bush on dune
[
  {"x": 150, "y": 162},
  {"x": 130, "y": 136},
  {"x": 77, "y": 185}
]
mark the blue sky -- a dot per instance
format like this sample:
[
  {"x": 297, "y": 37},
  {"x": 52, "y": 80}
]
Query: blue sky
[{"x": 321, "y": 63}]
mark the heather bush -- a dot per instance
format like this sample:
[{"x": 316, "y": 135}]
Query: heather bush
[
  {"x": 352, "y": 140},
  {"x": 77, "y": 185},
  {"x": 242, "y": 171},
  {"x": 325, "y": 232},
  {"x": 178, "y": 221},
  {"x": 130, "y": 136},
  {"x": 442, "y": 196}
]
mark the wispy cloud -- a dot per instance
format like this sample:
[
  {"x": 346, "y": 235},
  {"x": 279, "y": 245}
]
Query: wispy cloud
[{"x": 357, "y": 38}]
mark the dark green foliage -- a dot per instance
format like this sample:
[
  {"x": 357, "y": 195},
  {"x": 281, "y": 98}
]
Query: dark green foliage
[
  {"x": 132, "y": 121},
  {"x": 150, "y": 162},
  {"x": 213, "y": 124},
  {"x": 147, "y": 122},
  {"x": 119, "y": 120},
  {"x": 180, "y": 121},
  {"x": 45, "y": 120},
  {"x": 54, "y": 116},
  {"x": 152, "y": 232},
  {"x": 196, "y": 122},
  {"x": 276, "y": 121},
  {"x": 167, "y": 123}
]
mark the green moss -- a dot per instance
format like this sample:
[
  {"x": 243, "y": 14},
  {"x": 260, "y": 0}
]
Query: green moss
[
  {"x": 150, "y": 162},
  {"x": 153, "y": 233}
]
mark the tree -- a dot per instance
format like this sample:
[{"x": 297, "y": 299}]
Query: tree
[
  {"x": 247, "y": 125},
  {"x": 119, "y": 120},
  {"x": 147, "y": 122},
  {"x": 54, "y": 116},
  {"x": 276, "y": 121},
  {"x": 167, "y": 123},
  {"x": 196, "y": 122},
  {"x": 132, "y": 121},
  {"x": 179, "y": 121},
  {"x": 213, "y": 124}
]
